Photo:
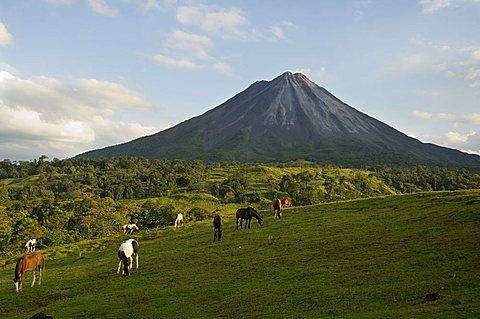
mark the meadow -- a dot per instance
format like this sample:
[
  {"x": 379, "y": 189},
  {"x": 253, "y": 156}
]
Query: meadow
[{"x": 366, "y": 258}]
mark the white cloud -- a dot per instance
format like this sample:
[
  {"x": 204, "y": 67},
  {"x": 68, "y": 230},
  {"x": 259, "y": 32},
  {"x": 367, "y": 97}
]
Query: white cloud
[
  {"x": 228, "y": 23},
  {"x": 190, "y": 42},
  {"x": 176, "y": 63},
  {"x": 43, "y": 115},
  {"x": 223, "y": 68},
  {"x": 101, "y": 7},
  {"x": 5, "y": 37},
  {"x": 473, "y": 76},
  {"x": 10, "y": 70},
  {"x": 152, "y": 4},
  {"x": 58, "y": 2},
  {"x": 476, "y": 54},
  {"x": 431, "y": 6},
  {"x": 455, "y": 138},
  {"x": 472, "y": 118},
  {"x": 278, "y": 32}
]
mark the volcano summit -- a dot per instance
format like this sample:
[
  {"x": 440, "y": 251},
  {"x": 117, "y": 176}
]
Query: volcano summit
[{"x": 288, "y": 118}]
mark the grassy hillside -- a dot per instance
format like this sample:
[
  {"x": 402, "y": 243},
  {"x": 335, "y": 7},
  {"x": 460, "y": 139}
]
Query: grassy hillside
[{"x": 371, "y": 258}]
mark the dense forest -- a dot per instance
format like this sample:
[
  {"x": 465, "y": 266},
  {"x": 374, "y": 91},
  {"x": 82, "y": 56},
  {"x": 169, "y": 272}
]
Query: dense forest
[{"x": 60, "y": 201}]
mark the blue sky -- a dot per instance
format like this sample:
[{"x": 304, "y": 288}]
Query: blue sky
[{"x": 76, "y": 75}]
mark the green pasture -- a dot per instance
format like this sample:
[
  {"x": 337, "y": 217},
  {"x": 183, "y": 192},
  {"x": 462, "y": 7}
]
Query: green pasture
[{"x": 370, "y": 258}]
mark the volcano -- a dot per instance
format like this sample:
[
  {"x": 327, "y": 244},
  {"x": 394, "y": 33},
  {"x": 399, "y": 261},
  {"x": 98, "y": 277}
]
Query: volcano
[{"x": 288, "y": 118}]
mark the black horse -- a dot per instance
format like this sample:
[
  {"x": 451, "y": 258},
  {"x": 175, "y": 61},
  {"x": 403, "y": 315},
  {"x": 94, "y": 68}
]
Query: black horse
[
  {"x": 217, "y": 227},
  {"x": 247, "y": 214}
]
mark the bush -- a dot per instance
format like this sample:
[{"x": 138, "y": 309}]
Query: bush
[{"x": 198, "y": 213}]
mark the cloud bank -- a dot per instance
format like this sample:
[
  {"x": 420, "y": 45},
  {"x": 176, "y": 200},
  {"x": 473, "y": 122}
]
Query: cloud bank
[{"x": 52, "y": 116}]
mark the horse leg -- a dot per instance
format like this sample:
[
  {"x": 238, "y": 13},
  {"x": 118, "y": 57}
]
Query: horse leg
[
  {"x": 40, "y": 279},
  {"x": 119, "y": 265},
  {"x": 237, "y": 223},
  {"x": 219, "y": 235},
  {"x": 34, "y": 271},
  {"x": 137, "y": 259}
]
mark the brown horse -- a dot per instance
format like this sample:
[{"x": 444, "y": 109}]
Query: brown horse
[
  {"x": 277, "y": 208},
  {"x": 247, "y": 214},
  {"x": 25, "y": 264},
  {"x": 217, "y": 227},
  {"x": 287, "y": 202}
]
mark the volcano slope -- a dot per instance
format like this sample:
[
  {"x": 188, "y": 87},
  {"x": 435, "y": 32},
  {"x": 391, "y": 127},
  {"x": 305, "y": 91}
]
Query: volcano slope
[{"x": 371, "y": 258}]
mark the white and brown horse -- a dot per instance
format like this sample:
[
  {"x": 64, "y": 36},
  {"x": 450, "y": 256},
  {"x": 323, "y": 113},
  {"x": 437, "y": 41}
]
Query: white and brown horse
[
  {"x": 130, "y": 228},
  {"x": 179, "y": 220},
  {"x": 26, "y": 264},
  {"x": 126, "y": 251},
  {"x": 30, "y": 245}
]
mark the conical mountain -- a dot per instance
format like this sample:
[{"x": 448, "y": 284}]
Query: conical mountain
[{"x": 288, "y": 118}]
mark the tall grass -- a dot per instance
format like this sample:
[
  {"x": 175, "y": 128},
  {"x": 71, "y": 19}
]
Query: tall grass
[{"x": 371, "y": 258}]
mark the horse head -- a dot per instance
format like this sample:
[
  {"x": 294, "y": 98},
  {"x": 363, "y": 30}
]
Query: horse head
[
  {"x": 255, "y": 214},
  {"x": 17, "y": 281}
]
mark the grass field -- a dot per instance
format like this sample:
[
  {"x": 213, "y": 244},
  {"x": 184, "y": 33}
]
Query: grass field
[{"x": 370, "y": 258}]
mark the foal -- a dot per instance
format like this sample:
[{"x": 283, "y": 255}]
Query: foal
[
  {"x": 25, "y": 264},
  {"x": 125, "y": 253}
]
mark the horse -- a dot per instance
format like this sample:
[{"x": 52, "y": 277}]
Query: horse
[
  {"x": 130, "y": 228},
  {"x": 125, "y": 255},
  {"x": 217, "y": 227},
  {"x": 30, "y": 245},
  {"x": 179, "y": 220},
  {"x": 277, "y": 208},
  {"x": 25, "y": 264},
  {"x": 247, "y": 214},
  {"x": 287, "y": 202}
]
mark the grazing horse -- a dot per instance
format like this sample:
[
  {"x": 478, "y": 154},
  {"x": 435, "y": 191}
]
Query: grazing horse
[
  {"x": 287, "y": 202},
  {"x": 247, "y": 214},
  {"x": 30, "y": 245},
  {"x": 179, "y": 220},
  {"x": 125, "y": 255},
  {"x": 25, "y": 264},
  {"x": 277, "y": 208},
  {"x": 130, "y": 228},
  {"x": 217, "y": 227}
]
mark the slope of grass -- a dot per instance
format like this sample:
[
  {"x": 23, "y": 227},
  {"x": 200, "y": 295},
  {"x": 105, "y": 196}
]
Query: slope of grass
[{"x": 371, "y": 258}]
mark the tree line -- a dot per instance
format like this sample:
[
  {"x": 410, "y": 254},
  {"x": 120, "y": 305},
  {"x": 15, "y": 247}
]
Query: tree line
[{"x": 61, "y": 201}]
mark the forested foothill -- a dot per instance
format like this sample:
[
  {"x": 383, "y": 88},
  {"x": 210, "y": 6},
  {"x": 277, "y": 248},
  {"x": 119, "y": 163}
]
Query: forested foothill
[{"x": 60, "y": 201}]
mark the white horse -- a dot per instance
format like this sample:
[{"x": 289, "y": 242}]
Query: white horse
[
  {"x": 130, "y": 228},
  {"x": 125, "y": 255},
  {"x": 30, "y": 245},
  {"x": 179, "y": 220}
]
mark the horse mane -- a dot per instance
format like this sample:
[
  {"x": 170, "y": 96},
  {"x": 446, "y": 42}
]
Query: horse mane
[{"x": 255, "y": 213}]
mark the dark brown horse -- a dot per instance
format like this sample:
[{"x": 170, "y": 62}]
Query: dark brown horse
[
  {"x": 25, "y": 264},
  {"x": 247, "y": 214},
  {"x": 277, "y": 208},
  {"x": 217, "y": 227}
]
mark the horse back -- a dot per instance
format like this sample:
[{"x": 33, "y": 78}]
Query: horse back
[{"x": 218, "y": 222}]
